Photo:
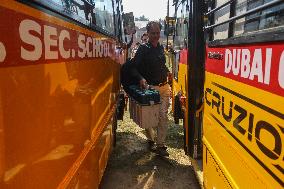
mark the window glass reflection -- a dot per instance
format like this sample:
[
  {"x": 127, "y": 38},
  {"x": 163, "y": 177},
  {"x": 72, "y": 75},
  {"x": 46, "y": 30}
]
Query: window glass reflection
[
  {"x": 268, "y": 18},
  {"x": 89, "y": 12}
]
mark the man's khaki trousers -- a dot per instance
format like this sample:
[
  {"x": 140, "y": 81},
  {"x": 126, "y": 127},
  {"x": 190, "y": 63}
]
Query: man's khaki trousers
[{"x": 162, "y": 127}]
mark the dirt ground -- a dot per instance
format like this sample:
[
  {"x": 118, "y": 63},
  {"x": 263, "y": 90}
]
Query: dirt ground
[{"x": 132, "y": 166}]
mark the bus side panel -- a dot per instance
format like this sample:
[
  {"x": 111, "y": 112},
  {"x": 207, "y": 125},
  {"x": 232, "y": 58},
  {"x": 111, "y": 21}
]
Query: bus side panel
[
  {"x": 243, "y": 118},
  {"x": 180, "y": 84},
  {"x": 57, "y": 98},
  {"x": 213, "y": 172},
  {"x": 92, "y": 168}
]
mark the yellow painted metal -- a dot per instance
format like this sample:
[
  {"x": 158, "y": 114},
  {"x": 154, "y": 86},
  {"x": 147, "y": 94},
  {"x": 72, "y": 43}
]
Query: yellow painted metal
[
  {"x": 236, "y": 156},
  {"x": 55, "y": 118},
  {"x": 180, "y": 84}
]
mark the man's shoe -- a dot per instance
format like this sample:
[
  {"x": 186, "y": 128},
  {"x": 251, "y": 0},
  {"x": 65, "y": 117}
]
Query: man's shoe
[
  {"x": 162, "y": 151},
  {"x": 151, "y": 145}
]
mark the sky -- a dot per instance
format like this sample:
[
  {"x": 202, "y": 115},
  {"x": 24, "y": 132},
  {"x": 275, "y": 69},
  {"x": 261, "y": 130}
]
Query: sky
[{"x": 152, "y": 9}]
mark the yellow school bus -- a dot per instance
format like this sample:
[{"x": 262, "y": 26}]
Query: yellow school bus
[
  {"x": 234, "y": 89},
  {"x": 59, "y": 86}
]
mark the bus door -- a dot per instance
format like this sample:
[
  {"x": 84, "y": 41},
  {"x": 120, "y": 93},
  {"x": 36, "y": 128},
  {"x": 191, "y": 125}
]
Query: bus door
[
  {"x": 195, "y": 80},
  {"x": 188, "y": 71}
]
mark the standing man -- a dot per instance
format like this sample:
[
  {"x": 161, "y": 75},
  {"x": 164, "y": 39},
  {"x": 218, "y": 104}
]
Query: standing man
[{"x": 149, "y": 68}]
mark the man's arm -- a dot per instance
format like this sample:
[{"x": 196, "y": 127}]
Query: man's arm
[{"x": 137, "y": 65}]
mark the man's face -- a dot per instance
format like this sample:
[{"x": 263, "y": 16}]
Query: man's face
[{"x": 154, "y": 33}]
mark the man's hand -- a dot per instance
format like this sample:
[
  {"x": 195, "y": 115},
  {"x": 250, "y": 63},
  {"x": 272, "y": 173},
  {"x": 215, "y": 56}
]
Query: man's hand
[{"x": 143, "y": 84}]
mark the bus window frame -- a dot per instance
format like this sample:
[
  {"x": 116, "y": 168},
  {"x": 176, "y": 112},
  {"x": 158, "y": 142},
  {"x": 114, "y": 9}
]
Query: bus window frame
[
  {"x": 60, "y": 13},
  {"x": 272, "y": 35}
]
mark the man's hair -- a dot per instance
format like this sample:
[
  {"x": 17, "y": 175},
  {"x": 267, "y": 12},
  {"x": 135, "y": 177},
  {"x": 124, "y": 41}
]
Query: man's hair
[
  {"x": 144, "y": 34},
  {"x": 151, "y": 23}
]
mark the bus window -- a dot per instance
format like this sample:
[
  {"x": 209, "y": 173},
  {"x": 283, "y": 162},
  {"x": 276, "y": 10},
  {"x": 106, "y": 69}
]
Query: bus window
[
  {"x": 269, "y": 18},
  {"x": 81, "y": 10},
  {"x": 90, "y": 13},
  {"x": 118, "y": 20},
  {"x": 221, "y": 32},
  {"x": 266, "y": 19},
  {"x": 181, "y": 26},
  {"x": 67, "y": 5},
  {"x": 104, "y": 17}
]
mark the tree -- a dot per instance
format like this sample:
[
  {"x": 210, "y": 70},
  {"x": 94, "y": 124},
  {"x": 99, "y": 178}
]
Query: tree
[{"x": 142, "y": 18}]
